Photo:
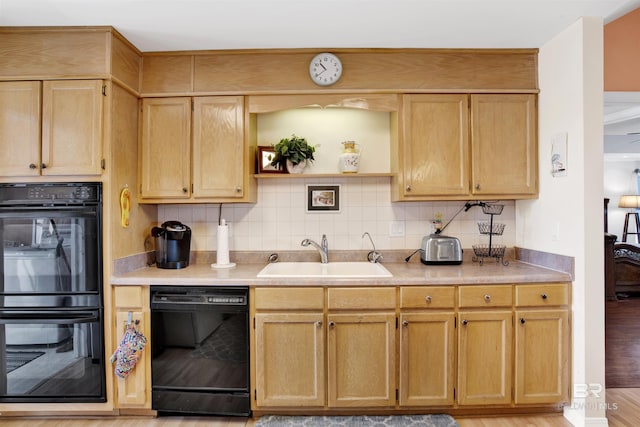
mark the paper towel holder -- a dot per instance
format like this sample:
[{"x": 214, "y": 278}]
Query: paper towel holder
[{"x": 222, "y": 249}]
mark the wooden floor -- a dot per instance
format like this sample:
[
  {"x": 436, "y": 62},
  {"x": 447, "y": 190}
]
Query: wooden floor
[{"x": 622, "y": 343}]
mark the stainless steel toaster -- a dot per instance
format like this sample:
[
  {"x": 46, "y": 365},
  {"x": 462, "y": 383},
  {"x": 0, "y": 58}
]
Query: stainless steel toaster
[{"x": 440, "y": 250}]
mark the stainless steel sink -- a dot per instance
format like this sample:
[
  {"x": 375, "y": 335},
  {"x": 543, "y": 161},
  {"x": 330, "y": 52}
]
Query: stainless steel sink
[{"x": 346, "y": 270}]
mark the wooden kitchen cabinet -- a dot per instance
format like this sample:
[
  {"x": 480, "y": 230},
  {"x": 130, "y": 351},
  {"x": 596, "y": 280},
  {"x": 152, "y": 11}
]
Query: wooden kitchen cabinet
[
  {"x": 361, "y": 347},
  {"x": 542, "y": 344},
  {"x": 435, "y": 145},
  {"x": 193, "y": 150},
  {"x": 461, "y": 146},
  {"x": 504, "y": 145},
  {"x": 55, "y": 128},
  {"x": 289, "y": 347},
  {"x": 132, "y": 303},
  {"x": 427, "y": 346},
  {"x": 485, "y": 345}
]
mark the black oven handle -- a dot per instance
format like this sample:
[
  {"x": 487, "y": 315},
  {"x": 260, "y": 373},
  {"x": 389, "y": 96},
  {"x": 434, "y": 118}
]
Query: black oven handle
[
  {"x": 48, "y": 317},
  {"x": 55, "y": 212}
]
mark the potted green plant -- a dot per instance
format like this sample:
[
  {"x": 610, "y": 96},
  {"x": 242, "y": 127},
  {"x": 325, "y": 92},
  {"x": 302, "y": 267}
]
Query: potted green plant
[{"x": 293, "y": 154}]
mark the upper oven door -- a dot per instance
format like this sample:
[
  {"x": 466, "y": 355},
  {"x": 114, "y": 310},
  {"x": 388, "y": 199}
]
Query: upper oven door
[{"x": 51, "y": 257}]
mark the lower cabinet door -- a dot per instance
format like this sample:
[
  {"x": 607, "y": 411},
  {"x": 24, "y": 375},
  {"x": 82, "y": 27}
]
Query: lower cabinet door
[
  {"x": 542, "y": 359},
  {"x": 290, "y": 359},
  {"x": 427, "y": 342},
  {"x": 361, "y": 358},
  {"x": 484, "y": 357},
  {"x": 133, "y": 391}
]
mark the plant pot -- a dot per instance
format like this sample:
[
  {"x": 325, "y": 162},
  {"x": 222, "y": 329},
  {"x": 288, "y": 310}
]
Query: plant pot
[{"x": 296, "y": 169}]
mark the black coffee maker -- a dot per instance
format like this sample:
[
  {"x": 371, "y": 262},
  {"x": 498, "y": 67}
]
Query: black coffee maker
[{"x": 173, "y": 244}]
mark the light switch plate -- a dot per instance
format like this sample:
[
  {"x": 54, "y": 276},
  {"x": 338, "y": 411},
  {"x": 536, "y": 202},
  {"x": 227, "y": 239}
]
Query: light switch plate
[{"x": 396, "y": 228}]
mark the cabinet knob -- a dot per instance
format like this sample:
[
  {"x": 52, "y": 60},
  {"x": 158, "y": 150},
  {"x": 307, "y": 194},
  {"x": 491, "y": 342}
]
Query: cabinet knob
[
  {"x": 319, "y": 324},
  {"x": 428, "y": 298},
  {"x": 408, "y": 188},
  {"x": 477, "y": 186},
  {"x": 332, "y": 324},
  {"x": 238, "y": 189},
  {"x": 487, "y": 297},
  {"x": 544, "y": 296},
  {"x": 185, "y": 190},
  {"x": 405, "y": 323},
  {"x": 522, "y": 321},
  {"x": 32, "y": 166},
  {"x": 43, "y": 166},
  {"x": 465, "y": 322}
]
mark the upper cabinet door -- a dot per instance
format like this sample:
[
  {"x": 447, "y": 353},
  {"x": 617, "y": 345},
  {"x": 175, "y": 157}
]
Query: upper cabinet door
[
  {"x": 505, "y": 155},
  {"x": 20, "y": 128},
  {"x": 72, "y": 127},
  {"x": 218, "y": 146},
  {"x": 435, "y": 145},
  {"x": 165, "y": 148}
]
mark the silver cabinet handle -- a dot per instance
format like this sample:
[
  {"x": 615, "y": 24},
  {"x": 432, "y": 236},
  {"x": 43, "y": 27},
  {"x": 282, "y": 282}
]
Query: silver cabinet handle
[
  {"x": 238, "y": 189},
  {"x": 319, "y": 324},
  {"x": 405, "y": 323},
  {"x": 487, "y": 297},
  {"x": 408, "y": 188},
  {"x": 428, "y": 298},
  {"x": 332, "y": 324}
]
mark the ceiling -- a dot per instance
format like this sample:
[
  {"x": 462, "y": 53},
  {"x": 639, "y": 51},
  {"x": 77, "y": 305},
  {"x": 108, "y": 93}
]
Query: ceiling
[{"x": 165, "y": 25}]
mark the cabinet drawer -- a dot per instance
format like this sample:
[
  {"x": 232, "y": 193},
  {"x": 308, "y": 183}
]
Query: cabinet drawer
[
  {"x": 485, "y": 296},
  {"x": 129, "y": 297},
  {"x": 364, "y": 298},
  {"x": 289, "y": 299},
  {"x": 543, "y": 294},
  {"x": 427, "y": 297}
]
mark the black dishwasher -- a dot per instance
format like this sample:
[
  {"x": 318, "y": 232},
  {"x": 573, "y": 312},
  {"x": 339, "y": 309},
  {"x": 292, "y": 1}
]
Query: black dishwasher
[{"x": 200, "y": 350}]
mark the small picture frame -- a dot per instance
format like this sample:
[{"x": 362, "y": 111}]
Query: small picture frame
[
  {"x": 265, "y": 156},
  {"x": 323, "y": 198}
]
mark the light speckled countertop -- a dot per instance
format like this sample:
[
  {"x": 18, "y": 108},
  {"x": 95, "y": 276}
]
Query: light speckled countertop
[{"x": 413, "y": 273}]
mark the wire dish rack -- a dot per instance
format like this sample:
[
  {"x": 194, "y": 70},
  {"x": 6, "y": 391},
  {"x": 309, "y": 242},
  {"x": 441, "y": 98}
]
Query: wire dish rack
[{"x": 491, "y": 229}]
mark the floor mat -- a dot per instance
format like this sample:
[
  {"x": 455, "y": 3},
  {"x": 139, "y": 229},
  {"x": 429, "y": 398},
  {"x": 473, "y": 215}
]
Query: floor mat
[
  {"x": 438, "y": 420},
  {"x": 16, "y": 359}
]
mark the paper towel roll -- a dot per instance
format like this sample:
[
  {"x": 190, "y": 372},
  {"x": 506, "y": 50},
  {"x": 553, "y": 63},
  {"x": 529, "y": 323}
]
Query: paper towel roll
[{"x": 222, "y": 255}]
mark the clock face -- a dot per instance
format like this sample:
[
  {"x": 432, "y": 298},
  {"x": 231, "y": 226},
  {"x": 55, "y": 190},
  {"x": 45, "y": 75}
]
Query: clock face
[{"x": 325, "y": 69}]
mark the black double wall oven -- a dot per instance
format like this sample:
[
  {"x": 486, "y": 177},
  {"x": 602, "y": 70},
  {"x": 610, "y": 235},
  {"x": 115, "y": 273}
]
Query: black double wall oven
[{"x": 51, "y": 309}]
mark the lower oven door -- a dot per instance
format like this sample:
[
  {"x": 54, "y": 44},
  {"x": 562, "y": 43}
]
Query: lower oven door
[
  {"x": 51, "y": 356},
  {"x": 200, "y": 351}
]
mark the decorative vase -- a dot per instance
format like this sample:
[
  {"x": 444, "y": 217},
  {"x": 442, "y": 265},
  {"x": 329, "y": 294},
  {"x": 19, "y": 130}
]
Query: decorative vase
[
  {"x": 349, "y": 160},
  {"x": 296, "y": 169}
]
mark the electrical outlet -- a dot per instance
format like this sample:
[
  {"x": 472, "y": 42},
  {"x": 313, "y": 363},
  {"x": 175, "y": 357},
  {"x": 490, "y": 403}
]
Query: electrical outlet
[{"x": 396, "y": 228}]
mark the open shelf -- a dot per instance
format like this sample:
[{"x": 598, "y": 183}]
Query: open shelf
[{"x": 321, "y": 175}]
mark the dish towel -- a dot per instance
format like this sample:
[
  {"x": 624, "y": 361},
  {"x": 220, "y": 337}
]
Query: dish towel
[{"x": 128, "y": 352}]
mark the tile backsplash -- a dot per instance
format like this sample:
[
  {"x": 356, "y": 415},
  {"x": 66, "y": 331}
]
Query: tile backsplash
[{"x": 279, "y": 220}]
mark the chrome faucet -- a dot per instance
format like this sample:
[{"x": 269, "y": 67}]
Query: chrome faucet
[
  {"x": 372, "y": 256},
  {"x": 323, "y": 248}
]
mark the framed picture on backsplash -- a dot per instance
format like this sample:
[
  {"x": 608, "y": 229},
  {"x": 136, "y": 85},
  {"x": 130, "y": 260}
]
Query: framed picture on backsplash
[{"x": 323, "y": 198}]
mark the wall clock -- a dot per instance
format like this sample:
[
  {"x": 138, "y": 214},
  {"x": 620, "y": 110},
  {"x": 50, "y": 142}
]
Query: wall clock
[{"x": 325, "y": 69}]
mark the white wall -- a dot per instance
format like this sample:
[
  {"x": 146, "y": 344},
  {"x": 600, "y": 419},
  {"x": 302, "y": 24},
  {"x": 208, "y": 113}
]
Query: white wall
[{"x": 571, "y": 100}]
